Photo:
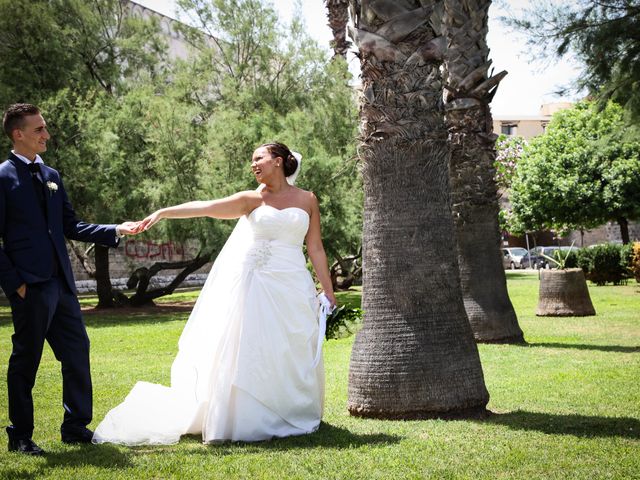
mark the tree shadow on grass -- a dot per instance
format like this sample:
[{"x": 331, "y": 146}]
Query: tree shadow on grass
[
  {"x": 331, "y": 436},
  {"x": 579, "y": 346},
  {"x": 117, "y": 318},
  {"x": 99, "y": 317},
  {"x": 106, "y": 457},
  {"x": 95, "y": 318},
  {"x": 328, "y": 436},
  {"x": 569, "y": 424},
  {"x": 512, "y": 275}
]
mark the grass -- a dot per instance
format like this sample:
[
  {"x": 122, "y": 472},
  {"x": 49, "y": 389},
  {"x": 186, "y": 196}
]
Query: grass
[{"x": 567, "y": 405}]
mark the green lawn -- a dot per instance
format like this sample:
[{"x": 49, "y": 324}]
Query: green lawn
[{"x": 566, "y": 406}]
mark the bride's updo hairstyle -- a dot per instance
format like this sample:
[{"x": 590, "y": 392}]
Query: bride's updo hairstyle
[{"x": 281, "y": 150}]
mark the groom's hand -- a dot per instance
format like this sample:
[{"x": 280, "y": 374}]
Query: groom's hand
[
  {"x": 22, "y": 291},
  {"x": 129, "y": 228}
]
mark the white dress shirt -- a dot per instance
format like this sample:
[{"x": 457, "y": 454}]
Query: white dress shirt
[{"x": 29, "y": 162}]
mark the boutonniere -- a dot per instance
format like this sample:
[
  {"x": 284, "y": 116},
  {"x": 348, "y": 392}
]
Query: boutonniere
[{"x": 52, "y": 186}]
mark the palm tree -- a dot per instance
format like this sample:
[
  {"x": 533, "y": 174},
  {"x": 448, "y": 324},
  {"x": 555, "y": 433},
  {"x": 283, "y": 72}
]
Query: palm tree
[
  {"x": 338, "y": 14},
  {"x": 469, "y": 90},
  {"x": 415, "y": 355}
]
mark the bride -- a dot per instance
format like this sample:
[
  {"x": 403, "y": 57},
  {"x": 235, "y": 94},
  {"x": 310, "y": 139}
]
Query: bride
[{"x": 249, "y": 359}]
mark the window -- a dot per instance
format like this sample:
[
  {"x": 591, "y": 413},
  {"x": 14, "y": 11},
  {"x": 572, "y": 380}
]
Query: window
[{"x": 509, "y": 128}]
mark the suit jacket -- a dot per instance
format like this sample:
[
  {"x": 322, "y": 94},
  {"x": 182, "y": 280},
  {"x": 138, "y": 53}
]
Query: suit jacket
[{"x": 29, "y": 240}]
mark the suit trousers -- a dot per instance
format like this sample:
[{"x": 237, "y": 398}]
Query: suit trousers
[{"x": 51, "y": 312}]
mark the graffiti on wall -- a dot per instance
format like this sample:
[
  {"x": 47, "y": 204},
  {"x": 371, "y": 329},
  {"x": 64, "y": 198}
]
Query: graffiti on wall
[{"x": 150, "y": 250}]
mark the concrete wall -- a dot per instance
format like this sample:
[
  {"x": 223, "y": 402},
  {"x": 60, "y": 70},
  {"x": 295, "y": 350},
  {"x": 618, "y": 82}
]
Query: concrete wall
[
  {"x": 607, "y": 233},
  {"x": 134, "y": 253}
]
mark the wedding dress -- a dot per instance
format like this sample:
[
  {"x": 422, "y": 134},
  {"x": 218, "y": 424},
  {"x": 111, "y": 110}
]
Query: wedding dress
[{"x": 249, "y": 363}]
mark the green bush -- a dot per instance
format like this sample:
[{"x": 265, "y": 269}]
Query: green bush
[
  {"x": 608, "y": 263},
  {"x": 339, "y": 321},
  {"x": 584, "y": 260},
  {"x": 570, "y": 260}
]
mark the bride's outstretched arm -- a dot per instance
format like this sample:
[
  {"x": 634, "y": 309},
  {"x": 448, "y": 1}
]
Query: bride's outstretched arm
[
  {"x": 234, "y": 206},
  {"x": 316, "y": 252}
]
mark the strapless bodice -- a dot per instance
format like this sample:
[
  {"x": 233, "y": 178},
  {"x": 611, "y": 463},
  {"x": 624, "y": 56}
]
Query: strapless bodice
[{"x": 288, "y": 225}]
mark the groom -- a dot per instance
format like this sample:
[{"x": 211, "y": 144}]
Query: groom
[{"x": 36, "y": 276}]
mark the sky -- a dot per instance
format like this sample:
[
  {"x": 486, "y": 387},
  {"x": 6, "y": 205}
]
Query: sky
[{"x": 527, "y": 86}]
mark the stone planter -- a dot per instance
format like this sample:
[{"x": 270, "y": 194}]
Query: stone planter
[{"x": 564, "y": 293}]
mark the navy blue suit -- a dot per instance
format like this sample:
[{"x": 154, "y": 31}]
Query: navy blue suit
[{"x": 33, "y": 227}]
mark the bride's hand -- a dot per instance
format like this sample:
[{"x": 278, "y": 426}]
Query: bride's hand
[
  {"x": 332, "y": 299},
  {"x": 150, "y": 221}
]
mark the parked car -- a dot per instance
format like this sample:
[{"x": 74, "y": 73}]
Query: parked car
[
  {"x": 540, "y": 261},
  {"x": 536, "y": 258},
  {"x": 515, "y": 257}
]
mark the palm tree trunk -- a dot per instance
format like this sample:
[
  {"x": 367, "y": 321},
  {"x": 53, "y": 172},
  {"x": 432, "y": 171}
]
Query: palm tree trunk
[
  {"x": 338, "y": 15},
  {"x": 564, "y": 293},
  {"x": 415, "y": 355},
  {"x": 473, "y": 188}
]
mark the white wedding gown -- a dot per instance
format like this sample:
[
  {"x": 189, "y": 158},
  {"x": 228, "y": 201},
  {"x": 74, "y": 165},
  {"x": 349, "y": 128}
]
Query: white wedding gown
[{"x": 246, "y": 368}]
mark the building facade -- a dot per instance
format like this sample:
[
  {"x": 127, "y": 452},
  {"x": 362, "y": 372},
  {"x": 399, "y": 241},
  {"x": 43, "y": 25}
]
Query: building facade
[
  {"x": 527, "y": 126},
  {"x": 177, "y": 46}
]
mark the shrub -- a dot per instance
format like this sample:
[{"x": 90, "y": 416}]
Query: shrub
[
  {"x": 584, "y": 260},
  {"x": 339, "y": 321},
  {"x": 608, "y": 263},
  {"x": 570, "y": 260}
]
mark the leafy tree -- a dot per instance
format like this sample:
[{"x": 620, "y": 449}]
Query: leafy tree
[
  {"x": 580, "y": 173},
  {"x": 50, "y": 45},
  {"x": 602, "y": 35},
  {"x": 219, "y": 106},
  {"x": 118, "y": 144},
  {"x": 133, "y": 133},
  {"x": 509, "y": 150},
  {"x": 74, "y": 59}
]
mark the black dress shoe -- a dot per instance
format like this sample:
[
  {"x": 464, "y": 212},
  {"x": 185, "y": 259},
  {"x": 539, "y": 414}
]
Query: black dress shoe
[
  {"x": 24, "y": 445},
  {"x": 80, "y": 435}
]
